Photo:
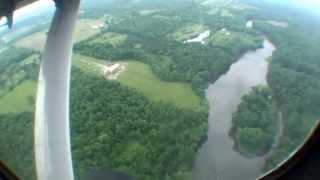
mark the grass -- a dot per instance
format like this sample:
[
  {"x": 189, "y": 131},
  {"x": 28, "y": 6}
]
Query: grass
[
  {"x": 36, "y": 41},
  {"x": 84, "y": 30},
  {"x": 150, "y": 11},
  {"x": 113, "y": 38},
  {"x": 15, "y": 73},
  {"x": 230, "y": 38},
  {"x": 140, "y": 77},
  {"x": 278, "y": 23},
  {"x": 88, "y": 64},
  {"x": 225, "y": 13},
  {"x": 213, "y": 11},
  {"x": 19, "y": 99},
  {"x": 30, "y": 59},
  {"x": 188, "y": 32},
  {"x": 137, "y": 75}
]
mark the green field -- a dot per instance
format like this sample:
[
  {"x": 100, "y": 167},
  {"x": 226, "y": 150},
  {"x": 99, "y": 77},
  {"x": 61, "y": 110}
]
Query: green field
[
  {"x": 228, "y": 38},
  {"x": 140, "y": 77},
  {"x": 83, "y": 31},
  {"x": 187, "y": 32},
  {"x": 113, "y": 38},
  {"x": 137, "y": 75},
  {"x": 87, "y": 64},
  {"x": 19, "y": 99},
  {"x": 225, "y": 13}
]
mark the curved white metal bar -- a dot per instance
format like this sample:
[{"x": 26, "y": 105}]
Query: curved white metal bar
[{"x": 52, "y": 131}]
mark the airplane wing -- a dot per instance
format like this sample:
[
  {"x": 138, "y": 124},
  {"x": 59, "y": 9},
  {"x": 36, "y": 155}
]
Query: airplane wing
[
  {"x": 52, "y": 130},
  {"x": 52, "y": 136}
]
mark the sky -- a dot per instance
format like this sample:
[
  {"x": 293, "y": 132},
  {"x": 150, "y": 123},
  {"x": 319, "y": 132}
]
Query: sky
[
  {"x": 312, "y": 6},
  {"x": 312, "y": 2},
  {"x": 34, "y": 6},
  {"x": 47, "y": 4},
  {"x": 30, "y": 9}
]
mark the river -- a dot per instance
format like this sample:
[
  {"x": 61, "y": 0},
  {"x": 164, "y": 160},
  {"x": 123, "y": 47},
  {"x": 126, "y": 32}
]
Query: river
[{"x": 216, "y": 159}]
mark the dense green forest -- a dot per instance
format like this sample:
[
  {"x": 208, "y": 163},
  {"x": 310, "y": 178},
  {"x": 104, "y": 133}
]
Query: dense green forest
[
  {"x": 294, "y": 75},
  {"x": 131, "y": 134},
  {"x": 17, "y": 143},
  {"x": 255, "y": 122}
]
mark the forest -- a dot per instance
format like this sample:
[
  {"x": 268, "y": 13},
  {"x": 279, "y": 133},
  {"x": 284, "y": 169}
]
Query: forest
[
  {"x": 116, "y": 127},
  {"x": 293, "y": 76},
  {"x": 255, "y": 122},
  {"x": 17, "y": 143}
]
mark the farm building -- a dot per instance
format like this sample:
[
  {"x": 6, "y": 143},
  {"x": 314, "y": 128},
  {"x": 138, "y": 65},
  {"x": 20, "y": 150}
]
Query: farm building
[{"x": 112, "y": 69}]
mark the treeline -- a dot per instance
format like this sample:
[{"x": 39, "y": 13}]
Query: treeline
[
  {"x": 255, "y": 122},
  {"x": 96, "y": 8},
  {"x": 15, "y": 67},
  {"x": 115, "y": 127},
  {"x": 13, "y": 55},
  {"x": 16, "y": 141},
  {"x": 294, "y": 78}
]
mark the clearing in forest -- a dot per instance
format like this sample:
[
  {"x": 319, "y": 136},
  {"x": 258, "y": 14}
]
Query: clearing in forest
[
  {"x": 140, "y": 77},
  {"x": 20, "y": 98},
  {"x": 114, "y": 39},
  {"x": 188, "y": 31},
  {"x": 85, "y": 28}
]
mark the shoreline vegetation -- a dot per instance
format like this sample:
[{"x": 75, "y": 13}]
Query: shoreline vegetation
[{"x": 293, "y": 77}]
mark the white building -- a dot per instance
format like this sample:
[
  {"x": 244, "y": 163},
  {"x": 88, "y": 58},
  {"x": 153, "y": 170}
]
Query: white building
[
  {"x": 201, "y": 38},
  {"x": 111, "y": 69},
  {"x": 97, "y": 26}
]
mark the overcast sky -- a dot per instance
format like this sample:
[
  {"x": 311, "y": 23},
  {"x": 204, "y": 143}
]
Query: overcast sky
[
  {"x": 31, "y": 9},
  {"x": 46, "y": 4}
]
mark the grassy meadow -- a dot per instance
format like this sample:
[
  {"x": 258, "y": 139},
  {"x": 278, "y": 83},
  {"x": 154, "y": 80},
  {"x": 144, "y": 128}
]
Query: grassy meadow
[
  {"x": 20, "y": 98},
  {"x": 140, "y": 77}
]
